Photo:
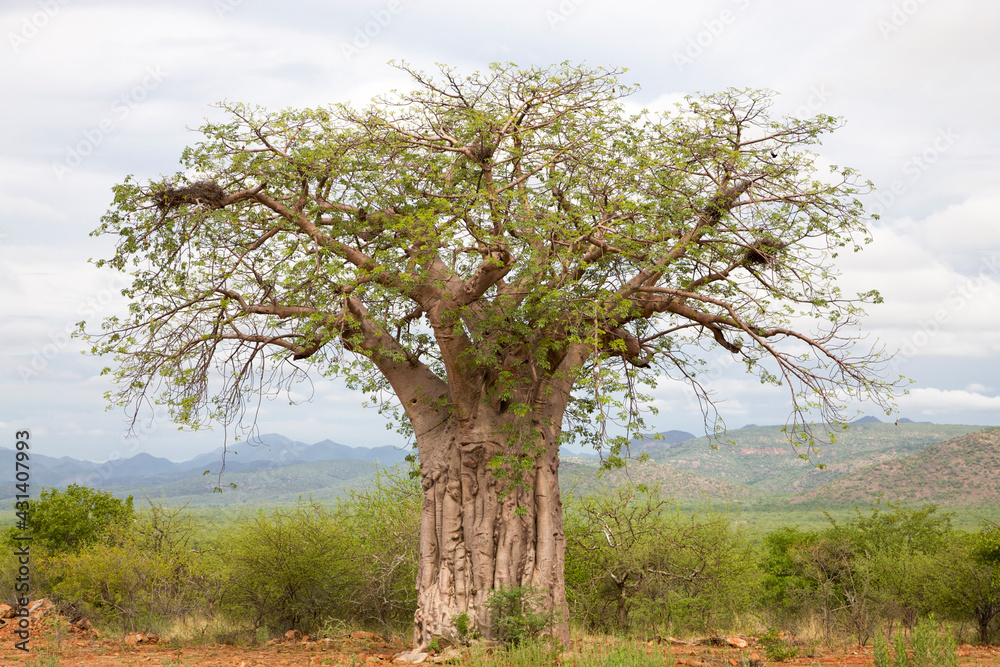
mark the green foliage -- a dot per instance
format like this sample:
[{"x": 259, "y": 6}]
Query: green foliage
[
  {"x": 931, "y": 647},
  {"x": 784, "y": 588},
  {"x": 463, "y": 627},
  {"x": 880, "y": 653},
  {"x": 878, "y": 566},
  {"x": 901, "y": 657},
  {"x": 928, "y": 648},
  {"x": 140, "y": 576},
  {"x": 776, "y": 647},
  {"x": 289, "y": 569},
  {"x": 302, "y": 567},
  {"x": 43, "y": 659},
  {"x": 627, "y": 654},
  {"x": 895, "y": 529},
  {"x": 635, "y": 559},
  {"x": 522, "y": 210},
  {"x": 382, "y": 526},
  {"x": 528, "y": 654},
  {"x": 513, "y": 610},
  {"x": 966, "y": 582},
  {"x": 66, "y": 521}
]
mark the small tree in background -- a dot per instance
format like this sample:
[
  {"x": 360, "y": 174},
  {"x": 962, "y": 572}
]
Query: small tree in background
[
  {"x": 967, "y": 581},
  {"x": 66, "y": 521},
  {"x": 636, "y": 559}
]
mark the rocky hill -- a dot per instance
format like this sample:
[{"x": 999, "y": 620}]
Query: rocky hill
[
  {"x": 761, "y": 456},
  {"x": 579, "y": 476},
  {"x": 964, "y": 471}
]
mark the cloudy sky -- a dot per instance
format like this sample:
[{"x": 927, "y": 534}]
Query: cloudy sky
[{"x": 94, "y": 91}]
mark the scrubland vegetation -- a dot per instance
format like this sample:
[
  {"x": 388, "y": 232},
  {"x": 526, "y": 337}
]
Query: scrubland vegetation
[{"x": 637, "y": 565}]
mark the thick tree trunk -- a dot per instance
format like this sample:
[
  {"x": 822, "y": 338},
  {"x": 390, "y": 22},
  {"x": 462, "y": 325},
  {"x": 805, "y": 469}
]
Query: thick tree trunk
[{"x": 479, "y": 533}]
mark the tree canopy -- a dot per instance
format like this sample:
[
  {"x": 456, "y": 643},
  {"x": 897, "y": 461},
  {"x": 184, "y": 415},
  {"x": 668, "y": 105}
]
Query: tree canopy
[
  {"x": 502, "y": 260},
  {"x": 68, "y": 520},
  {"x": 499, "y": 223}
]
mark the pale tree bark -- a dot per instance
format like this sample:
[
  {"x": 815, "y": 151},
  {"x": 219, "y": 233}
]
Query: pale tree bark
[
  {"x": 473, "y": 542},
  {"x": 481, "y": 530}
]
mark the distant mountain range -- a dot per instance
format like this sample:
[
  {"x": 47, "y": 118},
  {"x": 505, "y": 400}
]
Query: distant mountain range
[
  {"x": 269, "y": 451},
  {"x": 951, "y": 465},
  {"x": 761, "y": 457},
  {"x": 961, "y": 471},
  {"x": 757, "y": 464}
]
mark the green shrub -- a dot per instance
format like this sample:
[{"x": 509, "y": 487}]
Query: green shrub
[
  {"x": 901, "y": 657},
  {"x": 628, "y": 654},
  {"x": 529, "y": 654},
  {"x": 928, "y": 648},
  {"x": 515, "y": 619},
  {"x": 634, "y": 559},
  {"x": 784, "y": 589},
  {"x": 66, "y": 521},
  {"x": 141, "y": 576},
  {"x": 967, "y": 581},
  {"x": 290, "y": 569},
  {"x": 776, "y": 647},
  {"x": 881, "y": 651},
  {"x": 931, "y": 647},
  {"x": 382, "y": 525},
  {"x": 463, "y": 626}
]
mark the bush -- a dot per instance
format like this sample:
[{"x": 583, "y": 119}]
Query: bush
[
  {"x": 289, "y": 569},
  {"x": 141, "y": 576},
  {"x": 383, "y": 526},
  {"x": 878, "y": 567},
  {"x": 968, "y": 581},
  {"x": 775, "y": 646},
  {"x": 67, "y": 521},
  {"x": 635, "y": 559},
  {"x": 784, "y": 590},
  {"x": 515, "y": 621}
]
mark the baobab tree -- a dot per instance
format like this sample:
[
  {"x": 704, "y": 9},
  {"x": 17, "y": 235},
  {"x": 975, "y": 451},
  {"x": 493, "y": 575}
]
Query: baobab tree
[{"x": 504, "y": 259}]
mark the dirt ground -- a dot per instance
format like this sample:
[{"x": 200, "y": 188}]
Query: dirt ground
[
  {"x": 55, "y": 642},
  {"x": 113, "y": 653}
]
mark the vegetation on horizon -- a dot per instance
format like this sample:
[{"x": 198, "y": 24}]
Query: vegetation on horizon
[{"x": 635, "y": 566}]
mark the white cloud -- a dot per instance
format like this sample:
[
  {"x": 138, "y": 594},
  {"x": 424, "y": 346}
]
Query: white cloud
[
  {"x": 931, "y": 401},
  {"x": 931, "y": 307},
  {"x": 69, "y": 77}
]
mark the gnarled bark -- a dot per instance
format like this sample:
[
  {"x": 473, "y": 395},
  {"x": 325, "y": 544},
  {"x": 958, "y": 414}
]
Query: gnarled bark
[{"x": 478, "y": 533}]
